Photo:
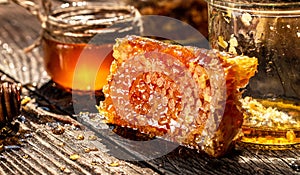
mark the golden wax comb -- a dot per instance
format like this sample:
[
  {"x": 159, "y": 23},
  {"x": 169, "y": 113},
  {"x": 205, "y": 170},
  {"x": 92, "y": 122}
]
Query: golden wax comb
[{"x": 184, "y": 94}]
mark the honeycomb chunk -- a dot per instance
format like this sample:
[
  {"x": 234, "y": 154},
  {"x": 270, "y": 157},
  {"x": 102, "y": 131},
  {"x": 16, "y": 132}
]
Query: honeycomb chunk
[{"x": 184, "y": 94}]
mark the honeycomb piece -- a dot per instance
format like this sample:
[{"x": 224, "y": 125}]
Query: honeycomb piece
[{"x": 184, "y": 94}]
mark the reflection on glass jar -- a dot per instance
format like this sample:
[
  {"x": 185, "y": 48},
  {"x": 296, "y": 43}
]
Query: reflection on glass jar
[
  {"x": 268, "y": 30},
  {"x": 73, "y": 57}
]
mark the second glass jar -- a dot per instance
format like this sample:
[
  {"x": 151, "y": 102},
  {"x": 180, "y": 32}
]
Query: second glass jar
[{"x": 268, "y": 30}]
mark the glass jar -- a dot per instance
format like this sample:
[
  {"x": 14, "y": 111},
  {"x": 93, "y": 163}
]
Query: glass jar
[
  {"x": 270, "y": 31},
  {"x": 78, "y": 39},
  {"x": 78, "y": 36}
]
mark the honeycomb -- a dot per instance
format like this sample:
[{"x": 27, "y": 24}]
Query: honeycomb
[{"x": 183, "y": 94}]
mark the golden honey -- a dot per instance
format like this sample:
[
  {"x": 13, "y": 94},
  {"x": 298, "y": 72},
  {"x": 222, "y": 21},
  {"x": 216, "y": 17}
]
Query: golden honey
[
  {"x": 271, "y": 122},
  {"x": 78, "y": 39},
  {"x": 77, "y": 66}
]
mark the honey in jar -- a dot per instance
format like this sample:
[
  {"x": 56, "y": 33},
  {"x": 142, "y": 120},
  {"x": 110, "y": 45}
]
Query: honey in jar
[
  {"x": 78, "y": 39},
  {"x": 77, "y": 66}
]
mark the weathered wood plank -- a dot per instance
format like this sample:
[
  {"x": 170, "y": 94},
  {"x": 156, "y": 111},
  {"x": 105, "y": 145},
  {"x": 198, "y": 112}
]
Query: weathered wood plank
[{"x": 47, "y": 153}]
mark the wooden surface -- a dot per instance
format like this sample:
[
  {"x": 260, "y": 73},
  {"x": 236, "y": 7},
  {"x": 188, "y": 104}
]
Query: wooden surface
[{"x": 41, "y": 151}]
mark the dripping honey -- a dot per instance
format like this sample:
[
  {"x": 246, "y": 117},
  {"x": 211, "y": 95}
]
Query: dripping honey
[{"x": 78, "y": 66}]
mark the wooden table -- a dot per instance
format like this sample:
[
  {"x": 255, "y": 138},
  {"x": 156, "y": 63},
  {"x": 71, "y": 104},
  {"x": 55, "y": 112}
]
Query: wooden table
[{"x": 43, "y": 151}]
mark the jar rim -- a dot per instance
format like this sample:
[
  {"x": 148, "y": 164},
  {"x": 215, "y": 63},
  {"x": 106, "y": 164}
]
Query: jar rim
[
  {"x": 94, "y": 6},
  {"x": 260, "y": 6},
  {"x": 88, "y": 19},
  {"x": 79, "y": 24}
]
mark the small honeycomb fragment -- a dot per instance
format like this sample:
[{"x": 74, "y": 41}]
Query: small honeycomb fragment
[{"x": 184, "y": 94}]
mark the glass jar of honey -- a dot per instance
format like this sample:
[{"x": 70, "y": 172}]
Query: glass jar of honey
[
  {"x": 270, "y": 31},
  {"x": 78, "y": 37}
]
